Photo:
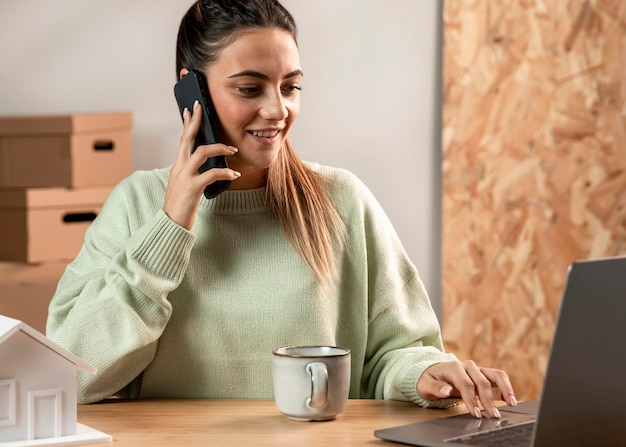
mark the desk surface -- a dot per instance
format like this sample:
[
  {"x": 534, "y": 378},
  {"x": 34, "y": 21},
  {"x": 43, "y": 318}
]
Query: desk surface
[{"x": 191, "y": 423}]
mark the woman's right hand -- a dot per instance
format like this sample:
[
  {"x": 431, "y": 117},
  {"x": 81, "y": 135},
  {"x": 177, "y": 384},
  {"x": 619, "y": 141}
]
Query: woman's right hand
[{"x": 186, "y": 185}]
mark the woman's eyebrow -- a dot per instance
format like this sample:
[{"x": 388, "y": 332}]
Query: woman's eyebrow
[{"x": 256, "y": 74}]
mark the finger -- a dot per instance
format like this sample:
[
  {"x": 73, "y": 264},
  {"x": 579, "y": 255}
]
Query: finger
[
  {"x": 501, "y": 380},
  {"x": 454, "y": 375},
  {"x": 215, "y": 174},
  {"x": 430, "y": 388},
  {"x": 467, "y": 390},
  {"x": 483, "y": 386},
  {"x": 203, "y": 153},
  {"x": 465, "y": 387},
  {"x": 484, "y": 389},
  {"x": 191, "y": 125},
  {"x": 211, "y": 150}
]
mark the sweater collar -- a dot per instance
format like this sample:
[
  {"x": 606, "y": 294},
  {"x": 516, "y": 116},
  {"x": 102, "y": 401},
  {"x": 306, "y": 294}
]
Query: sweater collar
[{"x": 236, "y": 201}]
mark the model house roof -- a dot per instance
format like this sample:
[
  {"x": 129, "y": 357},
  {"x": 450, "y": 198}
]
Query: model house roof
[{"x": 10, "y": 326}]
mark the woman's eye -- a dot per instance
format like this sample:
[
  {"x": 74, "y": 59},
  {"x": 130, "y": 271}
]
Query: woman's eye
[
  {"x": 291, "y": 89},
  {"x": 249, "y": 91},
  {"x": 253, "y": 91}
]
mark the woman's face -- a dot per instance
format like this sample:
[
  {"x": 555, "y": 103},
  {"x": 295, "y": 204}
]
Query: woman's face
[{"x": 255, "y": 87}]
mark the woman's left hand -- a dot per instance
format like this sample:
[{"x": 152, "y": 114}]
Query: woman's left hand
[{"x": 469, "y": 382}]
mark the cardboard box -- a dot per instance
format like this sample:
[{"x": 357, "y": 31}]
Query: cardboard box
[
  {"x": 26, "y": 291},
  {"x": 65, "y": 150},
  {"x": 46, "y": 224}
]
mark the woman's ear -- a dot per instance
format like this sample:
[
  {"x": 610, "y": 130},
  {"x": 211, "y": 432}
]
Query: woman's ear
[{"x": 183, "y": 73}]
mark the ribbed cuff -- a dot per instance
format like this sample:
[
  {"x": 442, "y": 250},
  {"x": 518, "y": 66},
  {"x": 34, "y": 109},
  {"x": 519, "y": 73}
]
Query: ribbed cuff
[{"x": 164, "y": 249}]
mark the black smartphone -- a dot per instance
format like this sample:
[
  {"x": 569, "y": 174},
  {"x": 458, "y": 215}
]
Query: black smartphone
[{"x": 192, "y": 87}]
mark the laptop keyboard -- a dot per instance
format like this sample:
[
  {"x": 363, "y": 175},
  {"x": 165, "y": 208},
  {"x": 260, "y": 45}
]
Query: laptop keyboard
[{"x": 512, "y": 436}]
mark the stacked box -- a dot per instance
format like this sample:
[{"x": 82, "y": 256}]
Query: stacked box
[
  {"x": 69, "y": 151},
  {"x": 56, "y": 171},
  {"x": 26, "y": 289},
  {"x": 46, "y": 224}
]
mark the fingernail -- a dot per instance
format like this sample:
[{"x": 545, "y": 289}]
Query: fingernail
[
  {"x": 446, "y": 390},
  {"x": 477, "y": 413},
  {"x": 185, "y": 112},
  {"x": 233, "y": 149},
  {"x": 237, "y": 173},
  {"x": 513, "y": 401},
  {"x": 195, "y": 104},
  {"x": 496, "y": 413}
]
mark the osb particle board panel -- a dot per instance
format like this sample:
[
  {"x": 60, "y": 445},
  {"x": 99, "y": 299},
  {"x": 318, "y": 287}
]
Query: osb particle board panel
[{"x": 534, "y": 158}]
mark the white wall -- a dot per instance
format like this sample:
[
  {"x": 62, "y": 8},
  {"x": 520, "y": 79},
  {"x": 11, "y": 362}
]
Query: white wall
[{"x": 370, "y": 97}]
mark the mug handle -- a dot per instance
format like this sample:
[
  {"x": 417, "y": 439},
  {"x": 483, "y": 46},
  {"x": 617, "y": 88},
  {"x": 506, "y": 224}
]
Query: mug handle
[{"x": 319, "y": 384}]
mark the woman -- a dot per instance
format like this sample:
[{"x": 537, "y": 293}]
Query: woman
[{"x": 175, "y": 295}]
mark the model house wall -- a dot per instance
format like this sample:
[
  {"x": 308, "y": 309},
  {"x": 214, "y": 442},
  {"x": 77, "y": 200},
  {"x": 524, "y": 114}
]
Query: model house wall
[{"x": 37, "y": 384}]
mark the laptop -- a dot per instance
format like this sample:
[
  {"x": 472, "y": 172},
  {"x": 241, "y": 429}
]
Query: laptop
[{"x": 583, "y": 398}]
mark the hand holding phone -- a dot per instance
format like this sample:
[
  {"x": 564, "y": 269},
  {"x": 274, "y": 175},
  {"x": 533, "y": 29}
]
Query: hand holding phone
[{"x": 193, "y": 87}]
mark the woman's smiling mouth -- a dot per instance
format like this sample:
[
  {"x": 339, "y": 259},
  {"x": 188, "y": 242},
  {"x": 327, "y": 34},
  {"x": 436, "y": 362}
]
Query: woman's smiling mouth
[{"x": 265, "y": 136}]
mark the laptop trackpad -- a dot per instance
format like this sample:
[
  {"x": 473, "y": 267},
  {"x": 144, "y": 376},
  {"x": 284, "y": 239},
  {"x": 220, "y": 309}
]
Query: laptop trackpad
[{"x": 437, "y": 430}]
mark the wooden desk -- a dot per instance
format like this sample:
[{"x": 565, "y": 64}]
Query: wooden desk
[{"x": 191, "y": 423}]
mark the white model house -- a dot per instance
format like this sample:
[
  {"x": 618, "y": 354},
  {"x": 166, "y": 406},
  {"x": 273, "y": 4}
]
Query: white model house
[{"x": 37, "y": 387}]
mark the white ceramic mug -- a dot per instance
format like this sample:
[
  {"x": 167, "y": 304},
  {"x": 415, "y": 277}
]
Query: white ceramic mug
[{"x": 311, "y": 383}]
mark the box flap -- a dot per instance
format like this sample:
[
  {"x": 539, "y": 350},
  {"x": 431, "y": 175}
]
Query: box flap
[
  {"x": 63, "y": 124},
  {"x": 52, "y": 197}
]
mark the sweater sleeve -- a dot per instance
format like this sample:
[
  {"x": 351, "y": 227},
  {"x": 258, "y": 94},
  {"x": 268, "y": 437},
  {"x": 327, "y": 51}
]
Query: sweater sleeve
[
  {"x": 403, "y": 341},
  {"x": 403, "y": 333},
  {"x": 111, "y": 306}
]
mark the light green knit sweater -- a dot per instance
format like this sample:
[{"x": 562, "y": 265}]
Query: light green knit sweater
[{"x": 166, "y": 312}]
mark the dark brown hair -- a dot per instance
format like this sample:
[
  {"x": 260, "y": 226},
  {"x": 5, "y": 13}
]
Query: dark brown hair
[{"x": 209, "y": 26}]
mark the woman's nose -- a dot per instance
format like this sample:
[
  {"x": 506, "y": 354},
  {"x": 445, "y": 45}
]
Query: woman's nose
[{"x": 274, "y": 108}]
